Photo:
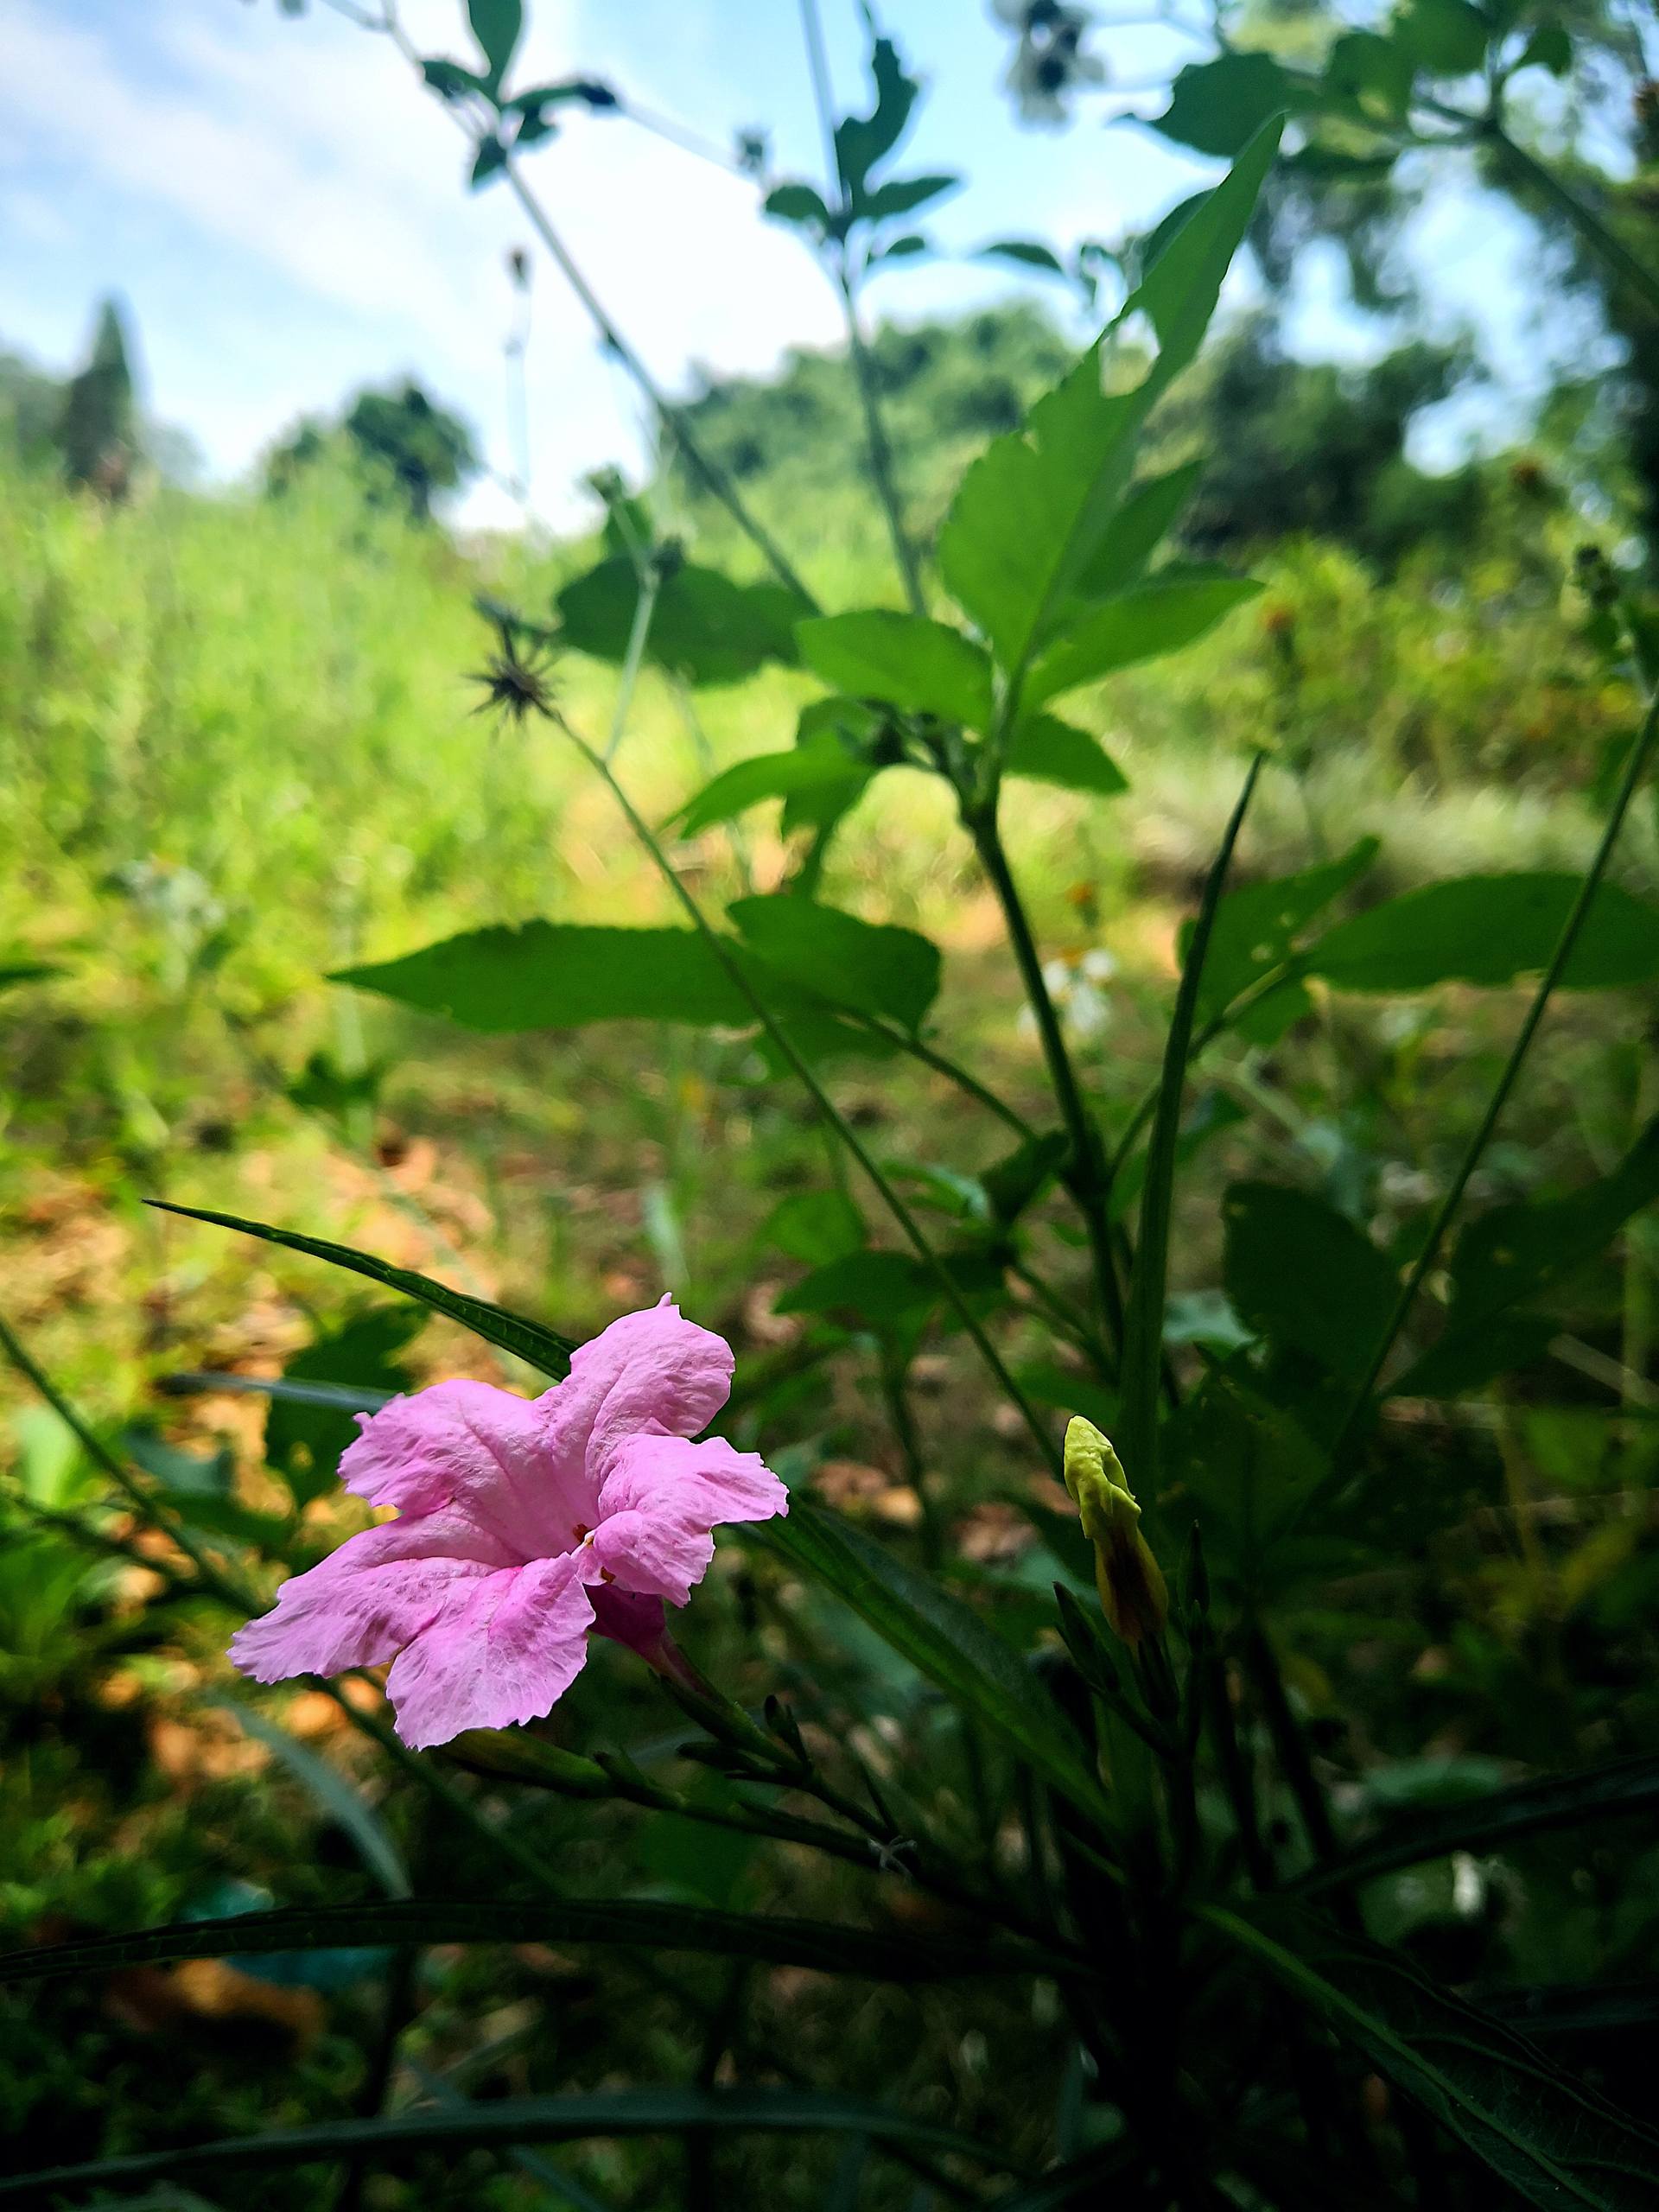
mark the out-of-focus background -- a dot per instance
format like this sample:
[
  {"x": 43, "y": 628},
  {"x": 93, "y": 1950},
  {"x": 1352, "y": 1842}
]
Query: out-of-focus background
[{"x": 279, "y": 400}]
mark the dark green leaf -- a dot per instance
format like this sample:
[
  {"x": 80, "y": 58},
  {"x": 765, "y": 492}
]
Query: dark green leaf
[
  {"x": 1136, "y": 530},
  {"x": 449, "y": 2130},
  {"x": 14, "y": 972},
  {"x": 883, "y": 1291},
  {"x": 919, "y": 666},
  {"x": 800, "y": 204},
  {"x": 1033, "y": 512},
  {"x": 1549, "y": 47},
  {"x": 822, "y": 767},
  {"x": 1219, "y": 106},
  {"x": 1517, "y": 1251},
  {"x": 1211, "y": 1112},
  {"x": 1447, "y": 37},
  {"x": 1050, "y": 751},
  {"x": 527, "y": 1340},
  {"x": 830, "y": 1948},
  {"x": 1258, "y": 925},
  {"x": 867, "y": 967},
  {"x": 497, "y": 25},
  {"x": 448, "y": 80},
  {"x": 186, "y": 1476},
  {"x": 304, "y": 1441},
  {"x": 1157, "y": 616},
  {"x": 340, "y": 1801},
  {"x": 563, "y": 974},
  {"x": 862, "y": 140},
  {"x": 1371, "y": 70},
  {"x": 902, "y": 196},
  {"x": 704, "y": 628},
  {"x": 1014, "y": 1182},
  {"x": 1490, "y": 930},
  {"x": 1027, "y": 251},
  {"x": 1498, "y": 1817},
  {"x": 488, "y": 160},
  {"x": 1549, "y": 2140},
  {"x": 942, "y": 1637},
  {"x": 1463, "y": 1358},
  {"x": 1302, "y": 1275},
  {"x": 816, "y": 1227}
]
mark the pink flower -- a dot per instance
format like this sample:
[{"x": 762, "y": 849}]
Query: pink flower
[{"x": 521, "y": 1524}]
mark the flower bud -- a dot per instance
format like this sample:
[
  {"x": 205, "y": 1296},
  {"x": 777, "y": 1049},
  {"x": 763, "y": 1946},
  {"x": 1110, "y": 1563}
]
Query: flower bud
[{"x": 1132, "y": 1593}]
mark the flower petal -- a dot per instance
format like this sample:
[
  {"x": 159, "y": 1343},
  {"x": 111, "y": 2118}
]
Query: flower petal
[
  {"x": 704, "y": 1484},
  {"x": 482, "y": 1451},
  {"x": 651, "y": 1554},
  {"x": 652, "y": 1370},
  {"x": 502, "y": 1651},
  {"x": 359, "y": 1606},
  {"x": 626, "y": 1618}
]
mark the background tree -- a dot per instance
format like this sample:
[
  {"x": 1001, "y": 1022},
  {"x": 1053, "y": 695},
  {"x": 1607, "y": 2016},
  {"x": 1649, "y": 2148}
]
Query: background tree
[
  {"x": 97, "y": 435},
  {"x": 401, "y": 442}
]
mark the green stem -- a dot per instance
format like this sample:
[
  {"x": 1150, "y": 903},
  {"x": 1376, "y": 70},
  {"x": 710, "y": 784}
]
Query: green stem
[
  {"x": 645, "y": 606},
  {"x": 1143, "y": 1335},
  {"x": 1641, "y": 752},
  {"x": 826, "y": 1106},
  {"x": 1589, "y": 225},
  {"x": 883, "y": 472},
  {"x": 968, "y": 1084},
  {"x": 1085, "y": 1177}
]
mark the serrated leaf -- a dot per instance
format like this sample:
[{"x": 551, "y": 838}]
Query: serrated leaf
[
  {"x": 1301, "y": 1272},
  {"x": 920, "y": 666},
  {"x": 1218, "y": 107},
  {"x": 527, "y": 1340},
  {"x": 1160, "y": 616},
  {"x": 1143, "y": 521},
  {"x": 704, "y": 628},
  {"x": 870, "y": 968},
  {"x": 1034, "y": 511},
  {"x": 1548, "y": 2139},
  {"x": 1049, "y": 751},
  {"x": 943, "y": 1639},
  {"x": 1490, "y": 930}
]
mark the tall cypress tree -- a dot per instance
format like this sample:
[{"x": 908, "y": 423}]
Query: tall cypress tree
[{"x": 96, "y": 435}]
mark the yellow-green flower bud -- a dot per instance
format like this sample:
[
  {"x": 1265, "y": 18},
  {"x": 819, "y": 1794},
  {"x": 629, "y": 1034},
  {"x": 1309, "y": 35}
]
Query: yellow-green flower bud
[{"x": 1132, "y": 1593}]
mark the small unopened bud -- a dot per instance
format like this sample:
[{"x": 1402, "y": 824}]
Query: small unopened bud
[{"x": 1132, "y": 1593}]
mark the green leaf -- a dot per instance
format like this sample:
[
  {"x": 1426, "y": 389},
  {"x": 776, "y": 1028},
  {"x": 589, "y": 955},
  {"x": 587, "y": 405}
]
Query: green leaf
[
  {"x": 340, "y": 1801},
  {"x": 1549, "y": 2140},
  {"x": 902, "y": 196},
  {"x": 1211, "y": 1113},
  {"x": 1447, "y": 37},
  {"x": 820, "y": 768},
  {"x": 885, "y": 1291},
  {"x": 14, "y": 972},
  {"x": 870, "y": 968},
  {"x": 800, "y": 204},
  {"x": 304, "y": 1441},
  {"x": 815, "y": 1226},
  {"x": 497, "y": 25},
  {"x": 1219, "y": 106},
  {"x": 1157, "y": 616},
  {"x": 1030, "y": 253},
  {"x": 823, "y": 1947},
  {"x": 1372, "y": 71},
  {"x": 1050, "y": 751},
  {"x": 919, "y": 666},
  {"x": 1490, "y": 930},
  {"x": 1257, "y": 926},
  {"x": 943, "y": 1638},
  {"x": 705, "y": 628},
  {"x": 862, "y": 140},
  {"x": 1465, "y": 1359},
  {"x": 448, "y": 80},
  {"x": 490, "y": 159},
  {"x": 188, "y": 1476},
  {"x": 1033, "y": 512},
  {"x": 1146, "y": 516},
  {"x": 527, "y": 1340},
  {"x": 1497, "y": 1817},
  {"x": 449, "y": 2130},
  {"x": 560, "y": 975},
  {"x": 1301, "y": 1272},
  {"x": 1549, "y": 47}
]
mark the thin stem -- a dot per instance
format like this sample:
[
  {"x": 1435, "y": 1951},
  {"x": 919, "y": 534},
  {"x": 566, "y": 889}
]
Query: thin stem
[
  {"x": 826, "y": 1106},
  {"x": 1589, "y": 225},
  {"x": 1144, "y": 1326},
  {"x": 1641, "y": 752},
  {"x": 1084, "y": 1176},
  {"x": 965, "y": 1082},
  {"x": 823, "y": 98},
  {"x": 651, "y": 583},
  {"x": 883, "y": 472}
]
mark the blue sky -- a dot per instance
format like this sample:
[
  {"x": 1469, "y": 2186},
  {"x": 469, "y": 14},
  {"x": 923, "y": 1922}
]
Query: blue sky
[{"x": 283, "y": 206}]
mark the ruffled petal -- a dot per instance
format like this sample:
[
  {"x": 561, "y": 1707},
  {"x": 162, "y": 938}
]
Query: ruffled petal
[
  {"x": 628, "y": 1618},
  {"x": 653, "y": 1370},
  {"x": 501, "y": 1651},
  {"x": 481, "y": 1452},
  {"x": 359, "y": 1607},
  {"x": 703, "y": 1483},
  {"x": 651, "y": 1554}
]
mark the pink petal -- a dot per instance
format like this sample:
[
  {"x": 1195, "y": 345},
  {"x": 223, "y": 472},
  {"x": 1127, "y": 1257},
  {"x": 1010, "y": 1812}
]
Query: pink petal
[
  {"x": 501, "y": 1651},
  {"x": 625, "y": 1618},
  {"x": 652, "y": 1370},
  {"x": 482, "y": 1451},
  {"x": 703, "y": 1483},
  {"x": 651, "y": 1554},
  {"x": 360, "y": 1605}
]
